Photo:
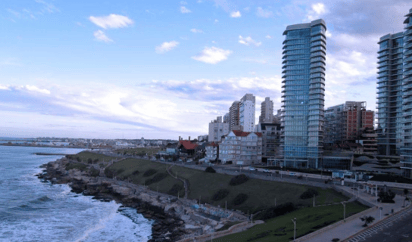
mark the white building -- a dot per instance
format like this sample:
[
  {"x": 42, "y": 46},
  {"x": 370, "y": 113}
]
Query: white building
[
  {"x": 217, "y": 129},
  {"x": 247, "y": 113},
  {"x": 242, "y": 148}
]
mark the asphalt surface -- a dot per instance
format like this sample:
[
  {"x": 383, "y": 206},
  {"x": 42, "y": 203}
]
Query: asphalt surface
[{"x": 397, "y": 231}]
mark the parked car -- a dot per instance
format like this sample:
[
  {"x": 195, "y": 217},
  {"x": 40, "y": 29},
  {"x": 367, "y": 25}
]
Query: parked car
[
  {"x": 265, "y": 170},
  {"x": 292, "y": 173},
  {"x": 252, "y": 168}
]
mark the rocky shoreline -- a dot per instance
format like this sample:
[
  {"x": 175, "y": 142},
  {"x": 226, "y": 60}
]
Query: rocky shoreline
[{"x": 166, "y": 227}]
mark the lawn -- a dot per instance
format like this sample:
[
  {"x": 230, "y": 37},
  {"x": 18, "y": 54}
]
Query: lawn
[
  {"x": 138, "y": 151},
  {"x": 261, "y": 194},
  {"x": 85, "y": 155},
  {"x": 134, "y": 170},
  {"x": 280, "y": 229}
]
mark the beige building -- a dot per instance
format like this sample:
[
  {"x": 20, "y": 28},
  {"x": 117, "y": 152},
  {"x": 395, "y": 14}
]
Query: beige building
[
  {"x": 217, "y": 129},
  {"x": 266, "y": 111},
  {"x": 241, "y": 148},
  {"x": 234, "y": 116}
]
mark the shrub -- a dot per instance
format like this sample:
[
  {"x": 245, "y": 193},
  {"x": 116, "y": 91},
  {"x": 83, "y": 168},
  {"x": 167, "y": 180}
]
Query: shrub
[
  {"x": 96, "y": 160},
  {"x": 175, "y": 189},
  {"x": 94, "y": 172},
  {"x": 210, "y": 170},
  {"x": 157, "y": 178},
  {"x": 90, "y": 161},
  {"x": 239, "y": 199},
  {"x": 219, "y": 195},
  {"x": 239, "y": 179},
  {"x": 109, "y": 172},
  {"x": 135, "y": 173},
  {"x": 149, "y": 172},
  {"x": 78, "y": 166},
  {"x": 119, "y": 171},
  {"x": 386, "y": 197},
  {"x": 309, "y": 193},
  {"x": 276, "y": 211}
]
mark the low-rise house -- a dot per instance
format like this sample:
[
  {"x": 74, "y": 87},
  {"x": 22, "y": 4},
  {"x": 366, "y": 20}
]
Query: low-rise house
[
  {"x": 241, "y": 148},
  {"x": 186, "y": 147}
]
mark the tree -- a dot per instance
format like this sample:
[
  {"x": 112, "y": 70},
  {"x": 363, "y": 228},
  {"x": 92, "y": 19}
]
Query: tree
[
  {"x": 386, "y": 197},
  {"x": 367, "y": 220}
]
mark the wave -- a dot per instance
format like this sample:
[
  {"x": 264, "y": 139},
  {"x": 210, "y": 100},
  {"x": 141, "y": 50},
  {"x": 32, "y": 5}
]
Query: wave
[{"x": 42, "y": 200}]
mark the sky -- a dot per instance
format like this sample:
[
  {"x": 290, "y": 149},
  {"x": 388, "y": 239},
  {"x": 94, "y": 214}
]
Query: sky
[{"x": 162, "y": 69}]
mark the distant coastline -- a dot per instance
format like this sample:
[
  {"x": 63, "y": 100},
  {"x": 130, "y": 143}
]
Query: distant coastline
[{"x": 45, "y": 146}]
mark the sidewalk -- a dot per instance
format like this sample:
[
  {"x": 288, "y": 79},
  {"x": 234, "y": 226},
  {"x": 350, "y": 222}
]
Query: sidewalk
[{"x": 353, "y": 224}]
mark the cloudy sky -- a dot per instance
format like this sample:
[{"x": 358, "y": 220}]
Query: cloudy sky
[{"x": 160, "y": 69}]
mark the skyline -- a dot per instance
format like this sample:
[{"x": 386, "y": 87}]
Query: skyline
[{"x": 153, "y": 70}]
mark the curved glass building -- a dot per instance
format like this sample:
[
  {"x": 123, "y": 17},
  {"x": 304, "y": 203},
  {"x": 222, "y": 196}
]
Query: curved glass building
[
  {"x": 303, "y": 93},
  {"x": 389, "y": 94},
  {"x": 407, "y": 96}
]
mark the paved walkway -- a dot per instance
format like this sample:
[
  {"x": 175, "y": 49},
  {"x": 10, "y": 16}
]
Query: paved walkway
[{"x": 353, "y": 226}]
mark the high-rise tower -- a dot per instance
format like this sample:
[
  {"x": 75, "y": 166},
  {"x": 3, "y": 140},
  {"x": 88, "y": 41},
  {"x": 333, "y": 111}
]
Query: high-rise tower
[
  {"x": 303, "y": 93},
  {"x": 407, "y": 97},
  {"x": 390, "y": 75}
]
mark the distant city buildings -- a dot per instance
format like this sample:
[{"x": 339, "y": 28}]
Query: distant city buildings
[
  {"x": 345, "y": 123},
  {"x": 303, "y": 93}
]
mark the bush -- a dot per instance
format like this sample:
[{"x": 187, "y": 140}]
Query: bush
[
  {"x": 239, "y": 199},
  {"x": 149, "y": 172},
  {"x": 94, "y": 172},
  {"x": 309, "y": 193},
  {"x": 135, "y": 173},
  {"x": 239, "y": 179},
  {"x": 276, "y": 211},
  {"x": 109, "y": 173},
  {"x": 157, "y": 178},
  {"x": 78, "y": 166},
  {"x": 219, "y": 195},
  {"x": 90, "y": 161},
  {"x": 175, "y": 190},
  {"x": 386, "y": 197},
  {"x": 210, "y": 170}
]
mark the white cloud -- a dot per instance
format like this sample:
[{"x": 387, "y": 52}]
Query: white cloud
[
  {"x": 317, "y": 9},
  {"x": 268, "y": 37},
  {"x": 196, "y": 31},
  {"x": 235, "y": 14},
  {"x": 263, "y": 13},
  {"x": 101, "y": 36},
  {"x": 4, "y": 87},
  {"x": 183, "y": 3},
  {"x": 328, "y": 34},
  {"x": 112, "y": 21},
  {"x": 32, "y": 88},
  {"x": 183, "y": 9},
  {"x": 47, "y": 7},
  {"x": 212, "y": 55},
  {"x": 166, "y": 46},
  {"x": 248, "y": 40},
  {"x": 216, "y": 21}
]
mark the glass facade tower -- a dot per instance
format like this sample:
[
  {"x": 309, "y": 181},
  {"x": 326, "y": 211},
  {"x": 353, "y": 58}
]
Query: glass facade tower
[
  {"x": 303, "y": 94},
  {"x": 389, "y": 94},
  {"x": 406, "y": 151}
]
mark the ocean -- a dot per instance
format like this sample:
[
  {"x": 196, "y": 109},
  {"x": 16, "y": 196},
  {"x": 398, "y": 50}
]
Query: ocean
[{"x": 31, "y": 210}]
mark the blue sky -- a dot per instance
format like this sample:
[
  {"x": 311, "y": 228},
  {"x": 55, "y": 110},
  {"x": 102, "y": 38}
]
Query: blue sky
[{"x": 160, "y": 69}]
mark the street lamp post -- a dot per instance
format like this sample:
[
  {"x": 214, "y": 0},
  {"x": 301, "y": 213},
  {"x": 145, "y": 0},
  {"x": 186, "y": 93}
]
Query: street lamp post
[
  {"x": 380, "y": 213},
  {"x": 294, "y": 229},
  {"x": 344, "y": 211}
]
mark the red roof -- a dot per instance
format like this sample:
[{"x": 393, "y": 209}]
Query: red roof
[
  {"x": 188, "y": 145},
  {"x": 244, "y": 134},
  {"x": 213, "y": 144}
]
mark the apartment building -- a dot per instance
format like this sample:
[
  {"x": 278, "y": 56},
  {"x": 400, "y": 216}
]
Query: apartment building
[
  {"x": 217, "y": 129},
  {"x": 241, "y": 148},
  {"x": 212, "y": 151},
  {"x": 234, "y": 116},
  {"x": 247, "y": 113},
  {"x": 303, "y": 93},
  {"x": 266, "y": 111}
]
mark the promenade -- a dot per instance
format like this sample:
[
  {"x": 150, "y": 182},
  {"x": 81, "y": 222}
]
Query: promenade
[{"x": 352, "y": 225}]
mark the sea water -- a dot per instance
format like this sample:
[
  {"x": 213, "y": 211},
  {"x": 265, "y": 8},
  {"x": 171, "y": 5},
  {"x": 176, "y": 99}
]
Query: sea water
[{"x": 31, "y": 210}]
